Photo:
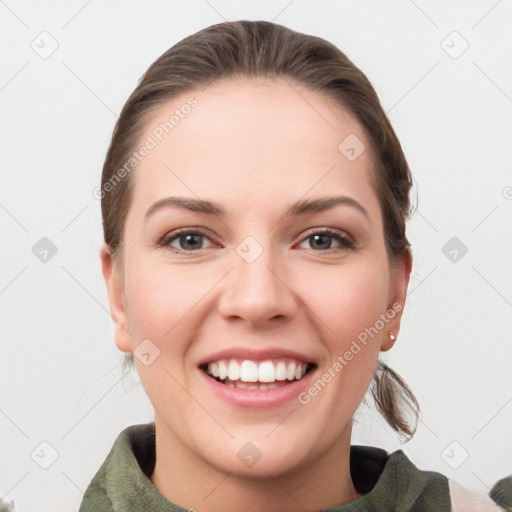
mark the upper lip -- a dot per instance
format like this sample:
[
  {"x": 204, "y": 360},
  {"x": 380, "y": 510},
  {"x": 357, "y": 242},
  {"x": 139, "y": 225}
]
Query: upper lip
[{"x": 255, "y": 355}]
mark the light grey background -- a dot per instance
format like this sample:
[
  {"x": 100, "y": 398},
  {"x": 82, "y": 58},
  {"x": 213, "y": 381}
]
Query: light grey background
[{"x": 60, "y": 378}]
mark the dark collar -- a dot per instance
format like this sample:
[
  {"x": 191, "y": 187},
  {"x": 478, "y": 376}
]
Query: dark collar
[{"x": 387, "y": 481}]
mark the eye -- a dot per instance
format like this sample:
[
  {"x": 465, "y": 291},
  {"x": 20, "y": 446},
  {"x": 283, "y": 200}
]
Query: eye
[
  {"x": 184, "y": 241},
  {"x": 321, "y": 240}
]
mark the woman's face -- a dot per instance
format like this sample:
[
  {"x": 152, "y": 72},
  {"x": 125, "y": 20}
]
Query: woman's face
[{"x": 246, "y": 281}]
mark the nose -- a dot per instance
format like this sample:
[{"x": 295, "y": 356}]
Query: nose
[{"x": 259, "y": 290}]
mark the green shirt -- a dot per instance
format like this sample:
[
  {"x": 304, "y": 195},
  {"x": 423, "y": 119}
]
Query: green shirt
[{"x": 388, "y": 482}]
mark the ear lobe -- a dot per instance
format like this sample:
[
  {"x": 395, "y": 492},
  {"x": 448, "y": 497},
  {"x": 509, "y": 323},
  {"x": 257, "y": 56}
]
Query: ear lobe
[
  {"x": 399, "y": 281},
  {"x": 115, "y": 290}
]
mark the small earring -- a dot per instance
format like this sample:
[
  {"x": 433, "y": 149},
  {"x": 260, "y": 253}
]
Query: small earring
[{"x": 392, "y": 337}]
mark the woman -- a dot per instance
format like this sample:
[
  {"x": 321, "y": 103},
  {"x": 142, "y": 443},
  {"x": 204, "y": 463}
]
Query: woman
[{"x": 254, "y": 199}]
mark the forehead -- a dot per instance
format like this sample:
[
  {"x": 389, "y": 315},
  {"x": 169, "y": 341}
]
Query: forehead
[{"x": 251, "y": 135}]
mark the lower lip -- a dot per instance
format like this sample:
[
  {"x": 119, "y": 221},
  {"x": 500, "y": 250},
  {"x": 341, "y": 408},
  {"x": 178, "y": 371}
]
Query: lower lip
[{"x": 258, "y": 398}]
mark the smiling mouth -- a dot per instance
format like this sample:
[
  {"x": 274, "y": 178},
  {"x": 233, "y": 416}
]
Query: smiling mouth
[{"x": 249, "y": 374}]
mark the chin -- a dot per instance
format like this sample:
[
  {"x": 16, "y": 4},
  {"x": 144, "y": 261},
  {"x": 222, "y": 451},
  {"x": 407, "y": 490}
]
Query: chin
[{"x": 260, "y": 456}]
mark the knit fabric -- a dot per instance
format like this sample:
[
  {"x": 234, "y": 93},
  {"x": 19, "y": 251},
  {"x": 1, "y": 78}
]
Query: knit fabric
[{"x": 387, "y": 482}]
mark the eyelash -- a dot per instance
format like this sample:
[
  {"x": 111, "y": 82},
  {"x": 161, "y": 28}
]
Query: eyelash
[{"x": 346, "y": 242}]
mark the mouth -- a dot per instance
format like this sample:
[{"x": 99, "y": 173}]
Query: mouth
[{"x": 257, "y": 375}]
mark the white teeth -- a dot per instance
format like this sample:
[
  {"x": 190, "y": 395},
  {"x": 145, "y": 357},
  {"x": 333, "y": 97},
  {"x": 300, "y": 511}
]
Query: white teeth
[
  {"x": 249, "y": 371},
  {"x": 290, "y": 372},
  {"x": 268, "y": 372},
  {"x": 223, "y": 370},
  {"x": 233, "y": 370},
  {"x": 280, "y": 371}
]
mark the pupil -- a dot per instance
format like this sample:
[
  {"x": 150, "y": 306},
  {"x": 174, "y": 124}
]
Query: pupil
[
  {"x": 323, "y": 241},
  {"x": 189, "y": 239},
  {"x": 316, "y": 237}
]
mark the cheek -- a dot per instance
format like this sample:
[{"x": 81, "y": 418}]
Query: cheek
[
  {"x": 160, "y": 301},
  {"x": 157, "y": 300},
  {"x": 158, "y": 294},
  {"x": 167, "y": 304},
  {"x": 348, "y": 300},
  {"x": 345, "y": 300}
]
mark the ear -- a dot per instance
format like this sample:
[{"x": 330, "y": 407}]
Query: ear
[
  {"x": 399, "y": 280},
  {"x": 114, "y": 281}
]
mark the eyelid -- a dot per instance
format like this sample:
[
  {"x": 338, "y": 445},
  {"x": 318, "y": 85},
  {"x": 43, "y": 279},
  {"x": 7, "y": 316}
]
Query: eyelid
[
  {"x": 344, "y": 238},
  {"x": 172, "y": 235},
  {"x": 329, "y": 231},
  {"x": 346, "y": 241}
]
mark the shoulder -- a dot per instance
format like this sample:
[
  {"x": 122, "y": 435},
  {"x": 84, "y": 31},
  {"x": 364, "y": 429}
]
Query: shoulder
[
  {"x": 461, "y": 498},
  {"x": 6, "y": 507},
  {"x": 466, "y": 500}
]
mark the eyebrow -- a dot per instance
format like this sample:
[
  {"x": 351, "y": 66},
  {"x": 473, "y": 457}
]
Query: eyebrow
[{"x": 301, "y": 207}]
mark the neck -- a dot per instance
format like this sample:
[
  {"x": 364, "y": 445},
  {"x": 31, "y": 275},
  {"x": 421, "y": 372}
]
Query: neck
[{"x": 189, "y": 481}]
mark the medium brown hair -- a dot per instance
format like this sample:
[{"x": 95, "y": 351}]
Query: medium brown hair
[{"x": 263, "y": 49}]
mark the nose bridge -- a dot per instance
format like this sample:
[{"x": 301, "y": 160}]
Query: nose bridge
[{"x": 255, "y": 290}]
